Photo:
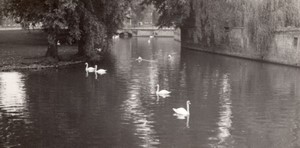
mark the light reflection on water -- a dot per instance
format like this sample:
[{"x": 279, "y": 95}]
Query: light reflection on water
[
  {"x": 12, "y": 93},
  {"x": 234, "y": 102},
  {"x": 225, "y": 122},
  {"x": 14, "y": 113}
]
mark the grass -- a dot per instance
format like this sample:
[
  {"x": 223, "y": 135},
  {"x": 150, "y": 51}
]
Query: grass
[{"x": 20, "y": 48}]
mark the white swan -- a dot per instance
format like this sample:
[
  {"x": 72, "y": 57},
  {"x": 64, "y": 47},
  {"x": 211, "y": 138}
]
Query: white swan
[
  {"x": 139, "y": 59},
  {"x": 149, "y": 41},
  {"x": 98, "y": 49},
  {"x": 89, "y": 69},
  {"x": 115, "y": 36},
  {"x": 58, "y": 43},
  {"x": 182, "y": 111},
  {"x": 151, "y": 36},
  {"x": 100, "y": 71},
  {"x": 161, "y": 92}
]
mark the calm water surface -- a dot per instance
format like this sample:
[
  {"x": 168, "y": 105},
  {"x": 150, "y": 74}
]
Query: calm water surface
[{"x": 234, "y": 102}]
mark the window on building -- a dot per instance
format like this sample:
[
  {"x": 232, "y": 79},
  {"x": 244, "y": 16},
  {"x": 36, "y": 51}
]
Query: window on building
[{"x": 295, "y": 41}]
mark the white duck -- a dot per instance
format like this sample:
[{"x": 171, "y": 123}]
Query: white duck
[
  {"x": 89, "y": 69},
  {"x": 100, "y": 71},
  {"x": 183, "y": 111},
  {"x": 162, "y": 92}
]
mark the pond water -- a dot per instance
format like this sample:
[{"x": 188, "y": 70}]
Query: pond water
[{"x": 234, "y": 102}]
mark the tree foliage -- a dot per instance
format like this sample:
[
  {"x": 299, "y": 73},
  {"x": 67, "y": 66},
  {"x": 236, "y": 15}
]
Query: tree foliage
[
  {"x": 52, "y": 14},
  {"x": 1, "y": 11},
  {"x": 171, "y": 12},
  {"x": 209, "y": 19},
  {"x": 138, "y": 12},
  {"x": 88, "y": 21}
]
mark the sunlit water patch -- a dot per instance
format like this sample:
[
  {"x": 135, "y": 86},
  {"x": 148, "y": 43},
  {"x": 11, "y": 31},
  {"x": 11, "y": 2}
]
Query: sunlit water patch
[{"x": 12, "y": 93}]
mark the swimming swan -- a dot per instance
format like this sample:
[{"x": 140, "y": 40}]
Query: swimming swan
[
  {"x": 139, "y": 59},
  {"x": 58, "y": 43},
  {"x": 100, "y": 71},
  {"x": 115, "y": 36},
  {"x": 89, "y": 69},
  {"x": 161, "y": 92},
  {"x": 182, "y": 111},
  {"x": 98, "y": 49}
]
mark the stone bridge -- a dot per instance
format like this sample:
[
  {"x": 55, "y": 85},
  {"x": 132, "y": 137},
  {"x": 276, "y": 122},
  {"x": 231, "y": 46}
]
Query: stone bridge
[{"x": 145, "y": 32}]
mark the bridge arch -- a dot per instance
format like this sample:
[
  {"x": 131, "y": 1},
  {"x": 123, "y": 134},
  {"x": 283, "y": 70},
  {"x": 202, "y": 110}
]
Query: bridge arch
[{"x": 125, "y": 35}]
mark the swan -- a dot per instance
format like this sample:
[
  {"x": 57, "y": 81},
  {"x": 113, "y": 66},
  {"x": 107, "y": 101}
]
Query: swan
[
  {"x": 182, "y": 111},
  {"x": 169, "y": 56},
  {"x": 115, "y": 37},
  {"x": 163, "y": 95},
  {"x": 100, "y": 71},
  {"x": 58, "y": 43},
  {"x": 89, "y": 69},
  {"x": 99, "y": 49},
  {"x": 162, "y": 92},
  {"x": 151, "y": 36},
  {"x": 139, "y": 59},
  {"x": 149, "y": 41}
]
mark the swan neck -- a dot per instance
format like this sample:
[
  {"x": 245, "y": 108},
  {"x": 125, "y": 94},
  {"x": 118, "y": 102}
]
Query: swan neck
[
  {"x": 157, "y": 90},
  {"x": 188, "y": 107}
]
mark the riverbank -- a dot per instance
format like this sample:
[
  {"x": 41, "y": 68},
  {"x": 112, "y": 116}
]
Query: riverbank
[
  {"x": 20, "y": 49},
  {"x": 282, "y": 49}
]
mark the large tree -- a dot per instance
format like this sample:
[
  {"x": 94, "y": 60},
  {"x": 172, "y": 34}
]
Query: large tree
[
  {"x": 99, "y": 20},
  {"x": 88, "y": 21},
  {"x": 52, "y": 14}
]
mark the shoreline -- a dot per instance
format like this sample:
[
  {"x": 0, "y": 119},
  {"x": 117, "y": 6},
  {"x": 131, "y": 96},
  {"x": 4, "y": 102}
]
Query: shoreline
[
  {"x": 21, "y": 50},
  {"x": 39, "y": 66}
]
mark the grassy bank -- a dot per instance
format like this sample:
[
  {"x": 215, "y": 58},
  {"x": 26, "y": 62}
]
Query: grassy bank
[{"x": 22, "y": 49}]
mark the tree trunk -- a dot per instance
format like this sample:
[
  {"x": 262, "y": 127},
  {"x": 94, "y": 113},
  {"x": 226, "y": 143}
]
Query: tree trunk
[
  {"x": 85, "y": 44},
  {"x": 52, "y": 50},
  {"x": 89, "y": 26},
  {"x": 84, "y": 25},
  {"x": 81, "y": 51}
]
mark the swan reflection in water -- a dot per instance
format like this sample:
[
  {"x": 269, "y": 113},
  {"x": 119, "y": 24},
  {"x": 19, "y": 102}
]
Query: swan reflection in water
[
  {"x": 163, "y": 96},
  {"x": 87, "y": 75},
  {"x": 182, "y": 117}
]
